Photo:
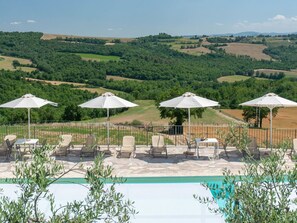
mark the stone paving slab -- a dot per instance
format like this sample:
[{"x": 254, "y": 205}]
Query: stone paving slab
[{"x": 143, "y": 165}]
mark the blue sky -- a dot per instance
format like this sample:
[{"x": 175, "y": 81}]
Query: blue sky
[{"x": 134, "y": 18}]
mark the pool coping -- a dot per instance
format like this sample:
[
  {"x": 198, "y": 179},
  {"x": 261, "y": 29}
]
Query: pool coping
[{"x": 137, "y": 180}]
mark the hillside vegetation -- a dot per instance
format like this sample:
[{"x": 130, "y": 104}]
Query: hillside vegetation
[{"x": 154, "y": 61}]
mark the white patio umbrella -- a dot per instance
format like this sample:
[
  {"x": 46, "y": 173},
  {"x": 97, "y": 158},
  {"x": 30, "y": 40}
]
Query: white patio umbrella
[
  {"x": 28, "y": 101},
  {"x": 270, "y": 101},
  {"x": 108, "y": 100},
  {"x": 189, "y": 100}
]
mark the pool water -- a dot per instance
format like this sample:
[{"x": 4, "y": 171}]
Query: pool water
[{"x": 157, "y": 199}]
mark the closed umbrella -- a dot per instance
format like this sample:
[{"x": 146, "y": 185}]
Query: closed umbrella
[
  {"x": 270, "y": 101},
  {"x": 189, "y": 100},
  {"x": 108, "y": 100},
  {"x": 28, "y": 101}
]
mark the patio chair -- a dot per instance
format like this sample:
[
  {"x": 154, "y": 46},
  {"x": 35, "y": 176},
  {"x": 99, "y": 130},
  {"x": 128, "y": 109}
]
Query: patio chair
[
  {"x": 63, "y": 146},
  {"x": 90, "y": 147},
  {"x": 252, "y": 150},
  {"x": 7, "y": 145},
  {"x": 128, "y": 147},
  {"x": 158, "y": 146},
  {"x": 191, "y": 147}
]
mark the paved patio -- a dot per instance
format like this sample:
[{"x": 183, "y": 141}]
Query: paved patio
[{"x": 143, "y": 165}]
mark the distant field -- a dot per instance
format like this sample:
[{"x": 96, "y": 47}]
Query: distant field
[
  {"x": 232, "y": 78},
  {"x": 196, "y": 51},
  {"x": 47, "y": 36},
  {"x": 248, "y": 49},
  {"x": 291, "y": 73},
  {"x": 99, "y": 90},
  {"x": 55, "y": 82},
  {"x": 279, "y": 41},
  {"x": 118, "y": 78},
  {"x": 97, "y": 57},
  {"x": 285, "y": 118},
  {"x": 178, "y": 43},
  {"x": 6, "y": 64}
]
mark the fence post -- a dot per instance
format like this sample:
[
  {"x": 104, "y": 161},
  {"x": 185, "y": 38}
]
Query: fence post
[
  {"x": 207, "y": 132},
  {"x": 175, "y": 133},
  {"x": 118, "y": 135},
  {"x": 147, "y": 130},
  {"x": 266, "y": 140},
  {"x": 295, "y": 133}
]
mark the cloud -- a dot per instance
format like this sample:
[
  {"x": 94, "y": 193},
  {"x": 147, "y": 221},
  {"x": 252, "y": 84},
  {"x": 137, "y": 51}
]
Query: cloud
[
  {"x": 219, "y": 24},
  {"x": 115, "y": 29},
  {"x": 15, "y": 23},
  {"x": 278, "y": 18},
  {"x": 278, "y": 23},
  {"x": 31, "y": 21}
]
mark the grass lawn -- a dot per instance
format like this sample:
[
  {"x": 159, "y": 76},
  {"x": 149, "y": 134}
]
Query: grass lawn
[
  {"x": 147, "y": 113},
  {"x": 97, "y": 57}
]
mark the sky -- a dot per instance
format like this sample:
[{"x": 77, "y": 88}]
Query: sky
[{"x": 135, "y": 18}]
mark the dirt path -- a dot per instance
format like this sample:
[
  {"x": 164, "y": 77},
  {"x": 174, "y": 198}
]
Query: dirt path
[{"x": 229, "y": 117}]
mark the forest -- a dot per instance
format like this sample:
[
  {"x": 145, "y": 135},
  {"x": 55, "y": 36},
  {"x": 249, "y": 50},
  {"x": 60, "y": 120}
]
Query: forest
[{"x": 147, "y": 58}]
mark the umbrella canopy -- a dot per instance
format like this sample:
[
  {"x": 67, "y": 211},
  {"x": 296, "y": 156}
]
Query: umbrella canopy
[
  {"x": 108, "y": 100},
  {"x": 270, "y": 101},
  {"x": 189, "y": 100},
  {"x": 28, "y": 101}
]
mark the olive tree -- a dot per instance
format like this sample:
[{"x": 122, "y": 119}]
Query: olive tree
[
  {"x": 102, "y": 203},
  {"x": 262, "y": 192}
]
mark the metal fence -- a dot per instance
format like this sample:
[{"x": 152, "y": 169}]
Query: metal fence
[{"x": 174, "y": 135}]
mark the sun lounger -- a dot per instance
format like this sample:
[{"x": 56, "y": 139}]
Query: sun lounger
[
  {"x": 158, "y": 146},
  {"x": 128, "y": 147},
  {"x": 63, "y": 146},
  {"x": 90, "y": 147}
]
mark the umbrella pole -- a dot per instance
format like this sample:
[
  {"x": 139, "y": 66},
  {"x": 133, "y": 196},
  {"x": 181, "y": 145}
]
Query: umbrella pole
[
  {"x": 29, "y": 134},
  {"x": 271, "y": 128},
  {"x": 189, "y": 121},
  {"x": 108, "y": 128}
]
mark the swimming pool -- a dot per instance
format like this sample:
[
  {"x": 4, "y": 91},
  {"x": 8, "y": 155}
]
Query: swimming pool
[{"x": 157, "y": 199}]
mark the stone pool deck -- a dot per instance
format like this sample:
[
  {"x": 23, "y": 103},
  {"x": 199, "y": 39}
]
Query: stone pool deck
[{"x": 143, "y": 165}]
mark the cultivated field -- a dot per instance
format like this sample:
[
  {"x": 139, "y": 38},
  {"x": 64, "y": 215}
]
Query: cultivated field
[
  {"x": 178, "y": 43},
  {"x": 55, "y": 82},
  {"x": 247, "y": 49},
  {"x": 285, "y": 118},
  {"x": 291, "y": 73},
  {"x": 118, "y": 78},
  {"x": 47, "y": 36},
  {"x": 6, "y": 64},
  {"x": 232, "y": 78},
  {"x": 196, "y": 51},
  {"x": 80, "y": 86},
  {"x": 97, "y": 57}
]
